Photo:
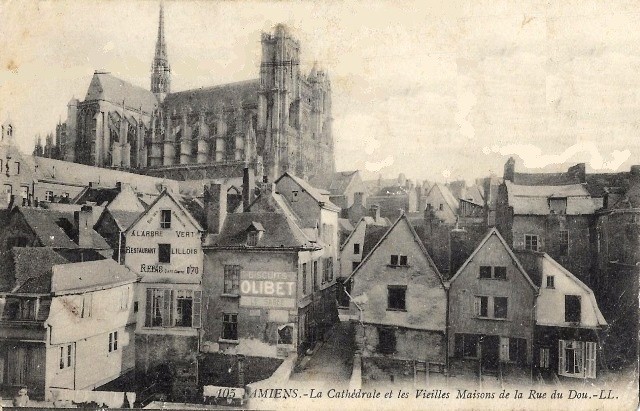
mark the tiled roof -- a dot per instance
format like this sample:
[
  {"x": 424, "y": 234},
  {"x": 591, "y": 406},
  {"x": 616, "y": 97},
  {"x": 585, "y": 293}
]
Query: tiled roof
[
  {"x": 545, "y": 179},
  {"x": 372, "y": 234},
  {"x": 336, "y": 183},
  {"x": 534, "y": 200},
  {"x": 124, "y": 219},
  {"x": 195, "y": 207},
  {"x": 105, "y": 86},
  {"x": 345, "y": 225},
  {"x": 88, "y": 276},
  {"x": 43, "y": 223},
  {"x": 279, "y": 231},
  {"x": 96, "y": 195},
  {"x": 599, "y": 184},
  {"x": 33, "y": 262},
  {"x": 226, "y": 94},
  {"x": 315, "y": 193}
]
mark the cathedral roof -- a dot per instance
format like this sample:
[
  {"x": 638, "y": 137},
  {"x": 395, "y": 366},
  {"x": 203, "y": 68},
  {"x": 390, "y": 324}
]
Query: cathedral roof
[
  {"x": 210, "y": 97},
  {"x": 105, "y": 86}
]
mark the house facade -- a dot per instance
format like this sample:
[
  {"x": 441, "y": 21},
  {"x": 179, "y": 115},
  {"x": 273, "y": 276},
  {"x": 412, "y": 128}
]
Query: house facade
[
  {"x": 164, "y": 247},
  {"x": 491, "y": 310},
  {"x": 399, "y": 303},
  {"x": 568, "y": 320},
  {"x": 66, "y": 329}
]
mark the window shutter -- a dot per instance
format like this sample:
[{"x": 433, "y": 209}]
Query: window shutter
[
  {"x": 579, "y": 357},
  {"x": 504, "y": 349},
  {"x": 561, "y": 364},
  {"x": 476, "y": 306},
  {"x": 590, "y": 369},
  {"x": 166, "y": 317},
  {"x": 197, "y": 304},
  {"x": 149, "y": 309}
]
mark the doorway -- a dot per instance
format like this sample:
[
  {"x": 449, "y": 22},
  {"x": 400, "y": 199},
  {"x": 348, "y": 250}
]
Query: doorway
[{"x": 490, "y": 348}]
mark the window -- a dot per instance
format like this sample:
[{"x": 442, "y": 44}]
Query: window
[
  {"x": 356, "y": 248},
  {"x": 330, "y": 269},
  {"x": 48, "y": 196},
  {"x": 66, "y": 357},
  {"x": 441, "y": 207},
  {"x": 165, "y": 219},
  {"x": 466, "y": 345},
  {"x": 17, "y": 242},
  {"x": 550, "y": 281},
  {"x": 572, "y": 312},
  {"x": 85, "y": 311},
  {"x": 481, "y": 307},
  {"x": 531, "y": 242},
  {"x": 230, "y": 326},
  {"x": 500, "y": 307},
  {"x": 577, "y": 359},
  {"x": 294, "y": 196},
  {"x": 25, "y": 195},
  {"x": 17, "y": 164},
  {"x": 231, "y": 279},
  {"x": 563, "y": 242},
  {"x": 315, "y": 276},
  {"x": 354, "y": 265},
  {"x": 164, "y": 253},
  {"x": 386, "y": 340},
  {"x": 396, "y": 297},
  {"x": 304, "y": 278},
  {"x": 485, "y": 271},
  {"x": 252, "y": 238},
  {"x": 500, "y": 273},
  {"x": 399, "y": 260},
  {"x": 173, "y": 308},
  {"x": 558, "y": 205},
  {"x": 124, "y": 299},
  {"x": 184, "y": 308},
  {"x": 113, "y": 341},
  {"x": 8, "y": 190}
]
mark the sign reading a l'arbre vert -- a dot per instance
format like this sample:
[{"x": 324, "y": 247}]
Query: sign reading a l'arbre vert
[{"x": 268, "y": 289}]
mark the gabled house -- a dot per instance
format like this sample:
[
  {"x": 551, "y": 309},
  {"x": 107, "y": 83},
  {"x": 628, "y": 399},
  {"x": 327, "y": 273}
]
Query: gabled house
[
  {"x": 264, "y": 281},
  {"x": 356, "y": 247},
  {"x": 163, "y": 245},
  {"x": 568, "y": 320},
  {"x": 343, "y": 187},
  {"x": 63, "y": 328},
  {"x": 399, "y": 303},
  {"x": 491, "y": 310},
  {"x": 442, "y": 203}
]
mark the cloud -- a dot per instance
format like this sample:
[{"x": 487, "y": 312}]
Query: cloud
[
  {"x": 533, "y": 157},
  {"x": 379, "y": 165}
]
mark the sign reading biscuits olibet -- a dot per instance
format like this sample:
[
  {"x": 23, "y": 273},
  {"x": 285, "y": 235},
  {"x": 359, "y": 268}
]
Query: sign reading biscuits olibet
[{"x": 268, "y": 289}]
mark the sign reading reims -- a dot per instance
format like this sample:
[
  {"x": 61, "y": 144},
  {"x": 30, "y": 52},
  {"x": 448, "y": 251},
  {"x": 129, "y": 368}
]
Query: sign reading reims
[{"x": 268, "y": 289}]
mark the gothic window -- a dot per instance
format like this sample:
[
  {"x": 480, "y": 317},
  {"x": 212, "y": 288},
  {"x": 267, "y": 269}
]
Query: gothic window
[
  {"x": 234, "y": 198},
  {"x": 294, "y": 111}
]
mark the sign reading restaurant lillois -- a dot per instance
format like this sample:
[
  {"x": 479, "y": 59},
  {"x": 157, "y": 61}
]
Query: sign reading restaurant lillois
[
  {"x": 165, "y": 240},
  {"x": 268, "y": 289}
]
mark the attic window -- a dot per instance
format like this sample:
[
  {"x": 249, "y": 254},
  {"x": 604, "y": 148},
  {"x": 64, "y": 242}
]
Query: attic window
[
  {"x": 550, "y": 281},
  {"x": 252, "y": 238},
  {"x": 294, "y": 195},
  {"x": 165, "y": 219}
]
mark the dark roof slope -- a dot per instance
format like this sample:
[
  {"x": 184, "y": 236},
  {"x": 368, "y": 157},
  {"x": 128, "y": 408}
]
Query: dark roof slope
[
  {"x": 33, "y": 262},
  {"x": 226, "y": 94},
  {"x": 279, "y": 231},
  {"x": 545, "y": 179},
  {"x": 372, "y": 234},
  {"x": 531, "y": 262},
  {"x": 96, "y": 195},
  {"x": 599, "y": 184}
]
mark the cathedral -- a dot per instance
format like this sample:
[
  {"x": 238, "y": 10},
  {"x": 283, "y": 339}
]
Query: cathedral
[{"x": 278, "y": 122}]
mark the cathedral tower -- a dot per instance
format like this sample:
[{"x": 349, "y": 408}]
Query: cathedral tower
[{"x": 160, "y": 69}]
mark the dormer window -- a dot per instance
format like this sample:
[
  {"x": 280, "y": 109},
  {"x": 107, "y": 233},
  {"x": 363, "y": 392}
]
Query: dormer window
[
  {"x": 294, "y": 195},
  {"x": 558, "y": 205},
  {"x": 252, "y": 238},
  {"x": 254, "y": 233}
]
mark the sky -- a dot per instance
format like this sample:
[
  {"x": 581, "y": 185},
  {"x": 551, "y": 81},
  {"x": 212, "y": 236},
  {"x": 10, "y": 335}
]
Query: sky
[{"x": 434, "y": 93}]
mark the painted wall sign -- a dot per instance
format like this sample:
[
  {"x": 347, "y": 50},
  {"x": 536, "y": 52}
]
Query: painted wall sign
[
  {"x": 268, "y": 289},
  {"x": 146, "y": 233}
]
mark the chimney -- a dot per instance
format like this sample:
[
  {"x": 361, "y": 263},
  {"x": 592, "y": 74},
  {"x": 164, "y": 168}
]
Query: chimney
[
  {"x": 119, "y": 186},
  {"x": 635, "y": 170},
  {"x": 374, "y": 211},
  {"x": 579, "y": 172},
  {"x": 215, "y": 205},
  {"x": 358, "y": 199},
  {"x": 247, "y": 189},
  {"x": 84, "y": 225},
  {"x": 509, "y": 169}
]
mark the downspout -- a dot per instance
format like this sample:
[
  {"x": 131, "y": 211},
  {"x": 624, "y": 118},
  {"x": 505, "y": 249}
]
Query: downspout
[
  {"x": 446, "y": 333},
  {"x": 119, "y": 245}
]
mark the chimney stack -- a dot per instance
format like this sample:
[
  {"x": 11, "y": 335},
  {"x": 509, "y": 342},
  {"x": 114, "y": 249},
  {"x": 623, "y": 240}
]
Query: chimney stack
[
  {"x": 358, "y": 199},
  {"x": 635, "y": 170},
  {"x": 509, "y": 169},
  {"x": 215, "y": 205},
  {"x": 84, "y": 225},
  {"x": 579, "y": 172},
  {"x": 248, "y": 184},
  {"x": 374, "y": 212}
]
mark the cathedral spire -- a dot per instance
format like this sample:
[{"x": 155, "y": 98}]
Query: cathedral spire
[{"x": 161, "y": 71}]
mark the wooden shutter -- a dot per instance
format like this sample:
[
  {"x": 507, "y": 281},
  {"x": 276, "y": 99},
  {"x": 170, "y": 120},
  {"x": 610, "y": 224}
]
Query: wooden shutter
[
  {"x": 504, "y": 349},
  {"x": 579, "y": 357},
  {"x": 166, "y": 313},
  {"x": 196, "y": 313},
  {"x": 561, "y": 363},
  {"x": 149, "y": 308},
  {"x": 476, "y": 306},
  {"x": 590, "y": 360}
]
